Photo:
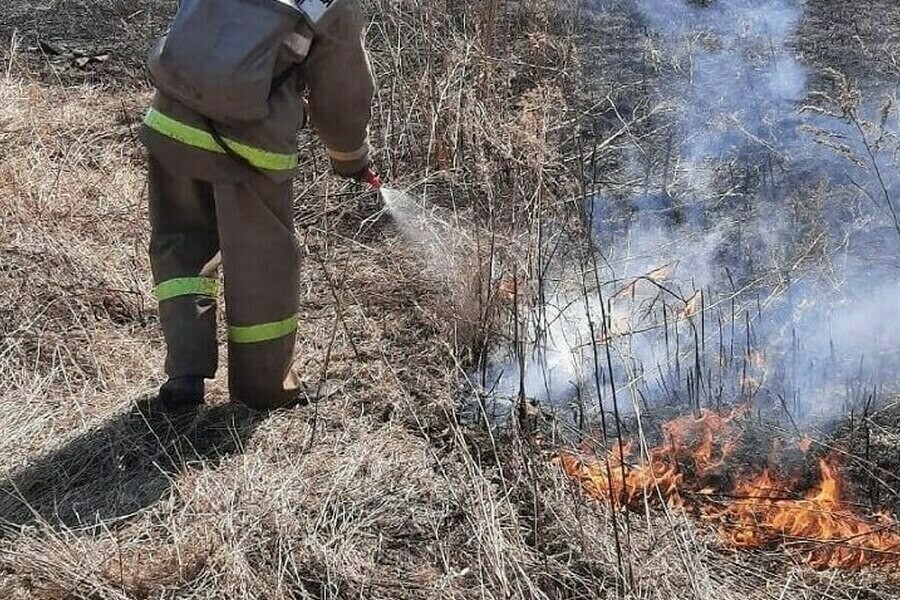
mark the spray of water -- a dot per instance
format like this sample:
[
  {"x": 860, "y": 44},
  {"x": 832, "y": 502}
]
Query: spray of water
[
  {"x": 444, "y": 246},
  {"x": 427, "y": 229}
]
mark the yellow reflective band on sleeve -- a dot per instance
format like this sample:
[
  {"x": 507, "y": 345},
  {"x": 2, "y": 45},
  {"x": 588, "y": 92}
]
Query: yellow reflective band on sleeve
[
  {"x": 187, "y": 286},
  {"x": 204, "y": 140},
  {"x": 264, "y": 332}
]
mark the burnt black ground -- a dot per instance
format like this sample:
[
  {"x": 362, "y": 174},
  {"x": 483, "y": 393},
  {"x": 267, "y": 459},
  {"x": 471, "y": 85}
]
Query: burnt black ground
[{"x": 82, "y": 41}]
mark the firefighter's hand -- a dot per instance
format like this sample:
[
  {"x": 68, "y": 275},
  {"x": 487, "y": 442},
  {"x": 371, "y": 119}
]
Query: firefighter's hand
[{"x": 369, "y": 176}]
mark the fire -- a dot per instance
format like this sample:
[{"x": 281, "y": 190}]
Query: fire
[
  {"x": 762, "y": 510},
  {"x": 692, "y": 306},
  {"x": 820, "y": 526},
  {"x": 691, "y": 443}
]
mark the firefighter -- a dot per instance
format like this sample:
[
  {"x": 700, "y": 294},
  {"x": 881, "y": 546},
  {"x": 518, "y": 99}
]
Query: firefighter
[{"x": 221, "y": 196}]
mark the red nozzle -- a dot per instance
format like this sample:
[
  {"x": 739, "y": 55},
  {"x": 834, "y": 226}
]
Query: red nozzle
[{"x": 372, "y": 178}]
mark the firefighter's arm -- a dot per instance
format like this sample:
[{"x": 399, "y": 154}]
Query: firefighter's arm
[{"x": 341, "y": 87}]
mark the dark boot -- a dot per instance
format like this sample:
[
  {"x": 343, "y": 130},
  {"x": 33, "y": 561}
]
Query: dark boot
[
  {"x": 182, "y": 393},
  {"x": 301, "y": 394}
]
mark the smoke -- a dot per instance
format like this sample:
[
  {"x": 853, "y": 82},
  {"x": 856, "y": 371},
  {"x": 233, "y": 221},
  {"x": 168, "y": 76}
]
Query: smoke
[{"x": 758, "y": 259}]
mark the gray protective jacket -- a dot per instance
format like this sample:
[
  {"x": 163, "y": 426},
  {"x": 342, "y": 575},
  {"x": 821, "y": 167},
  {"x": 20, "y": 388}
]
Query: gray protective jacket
[{"x": 337, "y": 74}]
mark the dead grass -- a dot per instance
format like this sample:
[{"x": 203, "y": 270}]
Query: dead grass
[
  {"x": 379, "y": 492},
  {"x": 868, "y": 51}
]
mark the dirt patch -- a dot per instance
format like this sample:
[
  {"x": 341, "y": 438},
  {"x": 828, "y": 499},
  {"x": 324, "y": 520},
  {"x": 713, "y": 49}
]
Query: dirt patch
[{"x": 80, "y": 41}]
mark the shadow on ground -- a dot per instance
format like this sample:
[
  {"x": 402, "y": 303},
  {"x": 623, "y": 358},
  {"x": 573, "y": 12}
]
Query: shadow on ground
[{"x": 124, "y": 465}]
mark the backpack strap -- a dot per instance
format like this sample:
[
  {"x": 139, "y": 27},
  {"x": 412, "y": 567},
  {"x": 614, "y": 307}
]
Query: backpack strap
[
  {"x": 227, "y": 148},
  {"x": 277, "y": 83}
]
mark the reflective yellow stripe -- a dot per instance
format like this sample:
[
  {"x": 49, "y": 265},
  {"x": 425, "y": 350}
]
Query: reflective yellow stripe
[
  {"x": 187, "y": 286},
  {"x": 263, "y": 332},
  {"x": 198, "y": 138}
]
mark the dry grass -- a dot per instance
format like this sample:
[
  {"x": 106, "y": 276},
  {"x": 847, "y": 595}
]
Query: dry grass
[{"x": 378, "y": 492}]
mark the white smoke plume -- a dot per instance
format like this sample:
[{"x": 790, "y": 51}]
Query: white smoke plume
[{"x": 762, "y": 263}]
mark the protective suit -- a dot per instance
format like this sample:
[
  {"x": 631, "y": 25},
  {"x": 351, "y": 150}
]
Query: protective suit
[{"x": 210, "y": 209}]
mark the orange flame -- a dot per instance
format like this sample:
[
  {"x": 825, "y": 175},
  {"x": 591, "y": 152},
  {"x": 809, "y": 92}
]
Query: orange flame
[
  {"x": 760, "y": 511},
  {"x": 692, "y": 306}
]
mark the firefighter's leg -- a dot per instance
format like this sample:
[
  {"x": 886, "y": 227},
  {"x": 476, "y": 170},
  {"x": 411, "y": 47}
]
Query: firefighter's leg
[
  {"x": 261, "y": 261},
  {"x": 184, "y": 246}
]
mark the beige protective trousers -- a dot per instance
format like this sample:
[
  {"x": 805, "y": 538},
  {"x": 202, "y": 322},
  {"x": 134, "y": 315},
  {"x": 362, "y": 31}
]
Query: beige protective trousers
[{"x": 247, "y": 228}]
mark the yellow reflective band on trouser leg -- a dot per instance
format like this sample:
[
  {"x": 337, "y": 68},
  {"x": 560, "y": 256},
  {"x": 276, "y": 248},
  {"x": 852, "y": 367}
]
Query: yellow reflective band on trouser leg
[
  {"x": 204, "y": 140},
  {"x": 186, "y": 286},
  {"x": 264, "y": 332}
]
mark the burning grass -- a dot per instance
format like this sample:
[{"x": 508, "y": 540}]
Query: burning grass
[{"x": 695, "y": 468}]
